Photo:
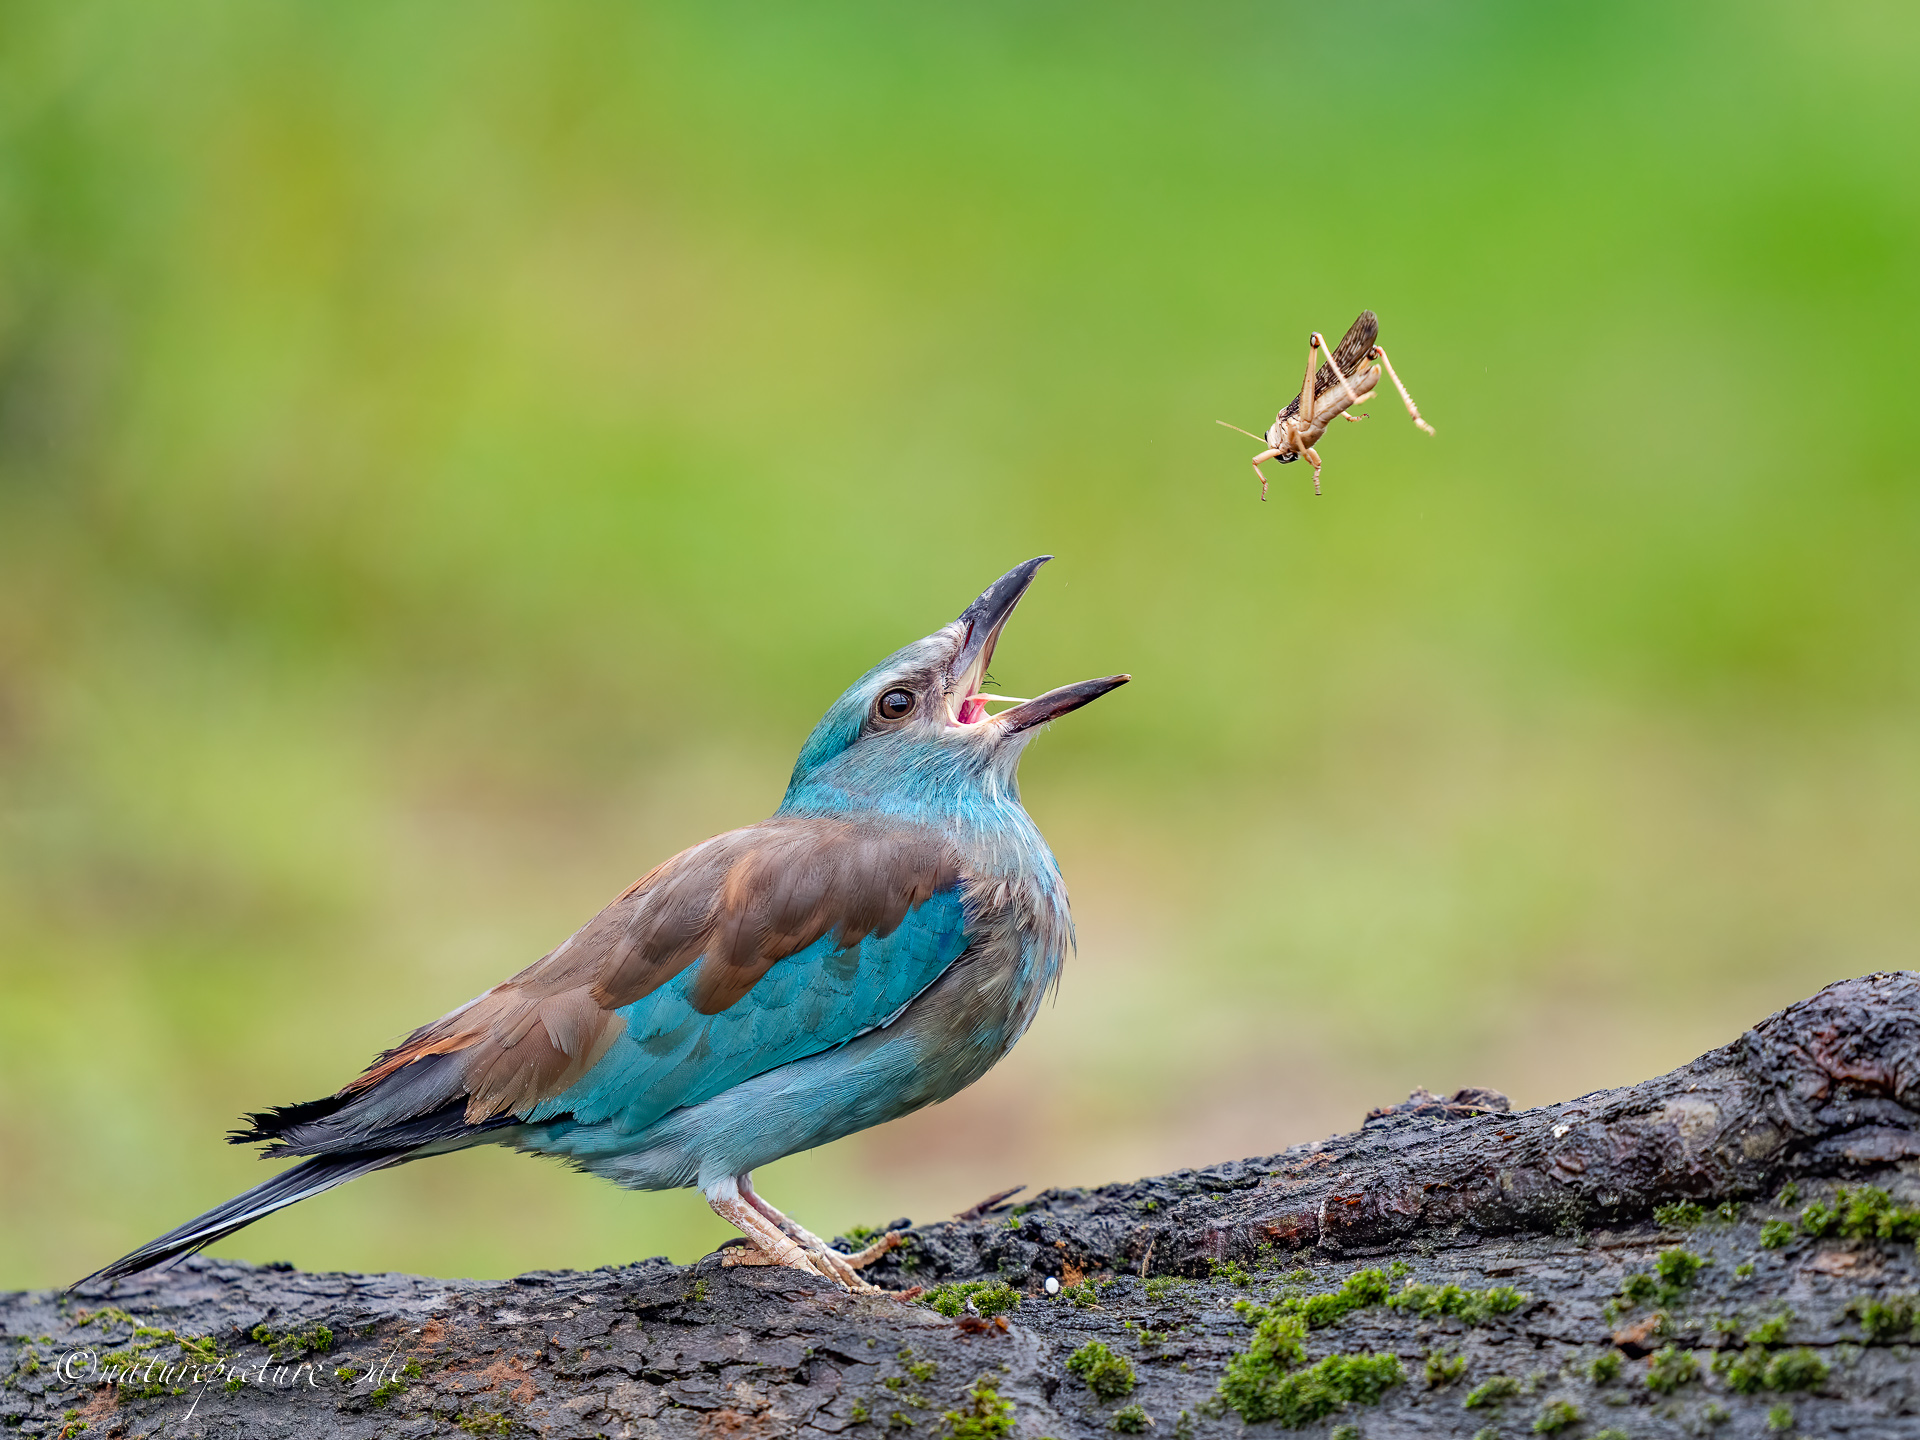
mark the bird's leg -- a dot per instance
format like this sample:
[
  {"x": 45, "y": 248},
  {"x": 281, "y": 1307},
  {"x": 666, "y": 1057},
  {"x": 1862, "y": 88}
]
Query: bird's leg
[
  {"x": 766, "y": 1245},
  {"x": 1412, "y": 409},
  {"x": 823, "y": 1255}
]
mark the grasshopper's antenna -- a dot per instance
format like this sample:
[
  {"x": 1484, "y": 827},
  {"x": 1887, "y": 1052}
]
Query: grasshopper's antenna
[
  {"x": 1412, "y": 409},
  {"x": 1248, "y": 433}
]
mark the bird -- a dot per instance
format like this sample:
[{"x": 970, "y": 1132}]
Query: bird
[{"x": 874, "y": 946}]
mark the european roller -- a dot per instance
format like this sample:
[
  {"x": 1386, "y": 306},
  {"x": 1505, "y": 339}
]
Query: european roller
[{"x": 873, "y": 947}]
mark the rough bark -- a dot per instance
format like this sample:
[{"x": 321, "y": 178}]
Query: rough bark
[{"x": 1558, "y": 1202}]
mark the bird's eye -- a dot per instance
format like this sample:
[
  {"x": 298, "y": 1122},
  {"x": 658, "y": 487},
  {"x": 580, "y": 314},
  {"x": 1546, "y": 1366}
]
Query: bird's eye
[{"x": 895, "y": 705}]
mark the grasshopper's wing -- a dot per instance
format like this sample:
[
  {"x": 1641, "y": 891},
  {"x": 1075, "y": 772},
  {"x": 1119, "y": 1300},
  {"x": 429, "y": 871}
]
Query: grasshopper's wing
[{"x": 1349, "y": 355}]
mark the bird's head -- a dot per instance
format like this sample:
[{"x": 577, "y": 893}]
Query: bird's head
[{"x": 915, "y": 730}]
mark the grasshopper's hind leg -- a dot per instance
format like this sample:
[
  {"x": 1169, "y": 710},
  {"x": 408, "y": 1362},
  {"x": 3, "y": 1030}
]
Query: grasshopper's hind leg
[
  {"x": 1412, "y": 409},
  {"x": 1319, "y": 341}
]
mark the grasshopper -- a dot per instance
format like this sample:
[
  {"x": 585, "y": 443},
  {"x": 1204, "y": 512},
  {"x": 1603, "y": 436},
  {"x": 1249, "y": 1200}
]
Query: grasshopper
[{"x": 1331, "y": 387}]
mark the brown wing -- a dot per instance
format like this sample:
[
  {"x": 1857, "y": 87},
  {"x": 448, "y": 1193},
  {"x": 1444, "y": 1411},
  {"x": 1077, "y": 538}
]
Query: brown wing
[
  {"x": 738, "y": 905},
  {"x": 1349, "y": 355}
]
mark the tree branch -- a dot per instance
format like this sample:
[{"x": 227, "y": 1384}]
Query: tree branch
[{"x": 1542, "y": 1220}]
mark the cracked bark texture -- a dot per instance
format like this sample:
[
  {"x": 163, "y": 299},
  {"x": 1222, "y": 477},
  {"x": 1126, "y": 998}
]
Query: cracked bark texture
[{"x": 1557, "y": 1201}]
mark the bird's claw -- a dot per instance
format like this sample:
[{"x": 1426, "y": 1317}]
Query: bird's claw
[{"x": 813, "y": 1256}]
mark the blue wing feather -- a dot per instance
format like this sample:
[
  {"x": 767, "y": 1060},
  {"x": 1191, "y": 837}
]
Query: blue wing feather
[{"x": 820, "y": 997}]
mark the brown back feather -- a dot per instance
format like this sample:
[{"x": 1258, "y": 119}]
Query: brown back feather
[{"x": 738, "y": 904}]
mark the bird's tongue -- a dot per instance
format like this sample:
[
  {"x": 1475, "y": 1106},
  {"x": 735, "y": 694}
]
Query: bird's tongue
[{"x": 973, "y": 710}]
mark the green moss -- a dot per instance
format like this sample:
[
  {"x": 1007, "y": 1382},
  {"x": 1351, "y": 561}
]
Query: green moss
[
  {"x": 1669, "y": 1368},
  {"x": 1279, "y": 1345},
  {"x": 1754, "y": 1369},
  {"x": 699, "y": 1291},
  {"x": 858, "y": 1235},
  {"x": 1678, "y": 1267},
  {"x": 1364, "y": 1288},
  {"x": 106, "y": 1315},
  {"x": 1796, "y": 1370},
  {"x": 383, "y": 1393},
  {"x": 1084, "y": 1296},
  {"x": 1299, "y": 1397},
  {"x": 1444, "y": 1370},
  {"x": 1776, "y": 1234},
  {"x": 1476, "y": 1307},
  {"x": 1673, "y": 1273},
  {"x": 1886, "y": 1319},
  {"x": 1714, "y": 1413},
  {"x": 1556, "y": 1416},
  {"x": 1780, "y": 1417},
  {"x": 1146, "y": 1338},
  {"x": 1104, "y": 1373},
  {"x": 316, "y": 1338},
  {"x": 1129, "y": 1420},
  {"x": 1744, "y": 1270},
  {"x": 1163, "y": 1286},
  {"x": 1770, "y": 1332},
  {"x": 1604, "y": 1367},
  {"x": 1681, "y": 1215},
  {"x": 1348, "y": 1431},
  {"x": 989, "y": 1297},
  {"x": 1612, "y": 1432},
  {"x": 1867, "y": 1213},
  {"x": 1743, "y": 1370},
  {"x": 921, "y": 1370},
  {"x": 985, "y": 1416},
  {"x": 346, "y": 1374},
  {"x": 1231, "y": 1273},
  {"x": 144, "y": 1369},
  {"x": 858, "y": 1414},
  {"x": 1685, "y": 1214},
  {"x": 485, "y": 1422},
  {"x": 1492, "y": 1391},
  {"x": 1788, "y": 1197}
]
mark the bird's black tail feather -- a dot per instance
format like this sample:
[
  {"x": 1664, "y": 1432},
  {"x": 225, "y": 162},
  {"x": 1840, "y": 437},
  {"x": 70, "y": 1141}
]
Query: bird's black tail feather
[{"x": 308, "y": 1178}]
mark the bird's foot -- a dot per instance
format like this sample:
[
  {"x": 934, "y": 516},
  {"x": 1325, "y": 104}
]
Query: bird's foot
[
  {"x": 814, "y": 1257},
  {"x": 843, "y": 1267},
  {"x": 773, "y": 1239}
]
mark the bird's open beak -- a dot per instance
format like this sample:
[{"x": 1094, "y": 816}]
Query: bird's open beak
[{"x": 984, "y": 619}]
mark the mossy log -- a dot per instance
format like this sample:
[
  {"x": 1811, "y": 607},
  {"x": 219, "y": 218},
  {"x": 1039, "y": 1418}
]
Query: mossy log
[{"x": 1622, "y": 1262}]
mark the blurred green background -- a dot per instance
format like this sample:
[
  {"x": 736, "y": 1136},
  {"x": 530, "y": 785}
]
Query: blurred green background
[{"x": 450, "y": 455}]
